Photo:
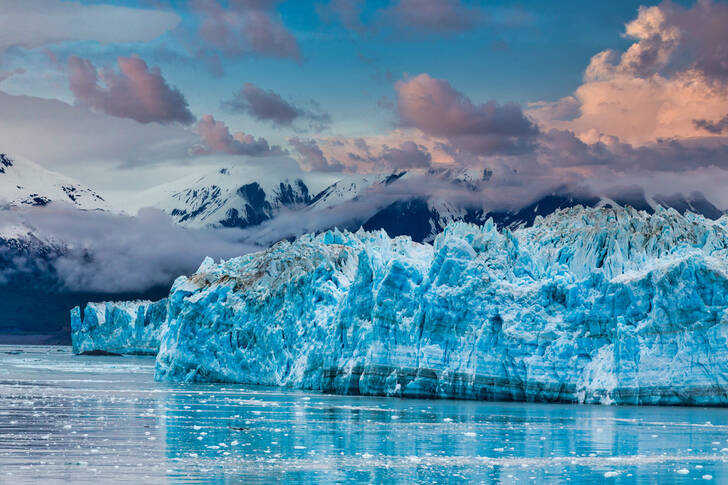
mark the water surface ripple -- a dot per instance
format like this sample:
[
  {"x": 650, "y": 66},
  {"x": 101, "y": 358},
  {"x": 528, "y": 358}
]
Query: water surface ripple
[{"x": 75, "y": 419}]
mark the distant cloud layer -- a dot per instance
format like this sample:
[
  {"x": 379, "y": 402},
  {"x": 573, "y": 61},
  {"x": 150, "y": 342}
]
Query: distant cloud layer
[
  {"x": 433, "y": 15},
  {"x": 217, "y": 138},
  {"x": 408, "y": 17},
  {"x": 114, "y": 253},
  {"x": 312, "y": 157},
  {"x": 267, "y": 105},
  {"x": 35, "y": 23},
  {"x": 135, "y": 91}
]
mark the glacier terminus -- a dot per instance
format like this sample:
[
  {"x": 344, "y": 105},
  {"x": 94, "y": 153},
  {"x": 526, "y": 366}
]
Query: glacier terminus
[{"x": 602, "y": 305}]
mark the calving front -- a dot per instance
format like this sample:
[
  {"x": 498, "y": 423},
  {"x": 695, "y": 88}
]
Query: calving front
[{"x": 606, "y": 305}]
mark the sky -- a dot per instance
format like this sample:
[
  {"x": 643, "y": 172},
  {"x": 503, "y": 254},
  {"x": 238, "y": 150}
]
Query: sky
[{"x": 128, "y": 94}]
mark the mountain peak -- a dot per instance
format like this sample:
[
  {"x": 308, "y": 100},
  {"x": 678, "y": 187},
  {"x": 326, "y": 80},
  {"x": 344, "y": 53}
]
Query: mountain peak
[{"x": 24, "y": 183}]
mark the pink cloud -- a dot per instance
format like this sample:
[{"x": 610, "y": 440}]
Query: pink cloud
[
  {"x": 135, "y": 91},
  {"x": 670, "y": 83},
  {"x": 243, "y": 28},
  {"x": 437, "y": 109},
  {"x": 216, "y": 137},
  {"x": 312, "y": 157}
]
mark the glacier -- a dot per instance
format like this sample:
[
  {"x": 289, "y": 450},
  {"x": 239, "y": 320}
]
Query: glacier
[
  {"x": 588, "y": 305},
  {"x": 131, "y": 327}
]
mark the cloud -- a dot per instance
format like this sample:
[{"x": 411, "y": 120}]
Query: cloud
[
  {"x": 312, "y": 157},
  {"x": 135, "y": 91},
  {"x": 114, "y": 253},
  {"x": 433, "y": 16},
  {"x": 242, "y": 28},
  {"x": 408, "y": 155},
  {"x": 437, "y": 109},
  {"x": 668, "y": 83},
  {"x": 404, "y": 17},
  {"x": 269, "y": 106},
  {"x": 714, "y": 127},
  {"x": 348, "y": 12},
  {"x": 216, "y": 137},
  {"x": 35, "y": 23},
  {"x": 57, "y": 134}
]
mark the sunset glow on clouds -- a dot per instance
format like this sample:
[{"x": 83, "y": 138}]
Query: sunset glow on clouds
[{"x": 353, "y": 86}]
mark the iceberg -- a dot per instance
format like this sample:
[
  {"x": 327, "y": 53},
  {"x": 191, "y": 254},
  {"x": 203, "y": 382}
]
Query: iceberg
[
  {"x": 589, "y": 305},
  {"x": 132, "y": 327}
]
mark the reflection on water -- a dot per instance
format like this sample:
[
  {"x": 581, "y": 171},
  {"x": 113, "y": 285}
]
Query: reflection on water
[{"x": 79, "y": 419}]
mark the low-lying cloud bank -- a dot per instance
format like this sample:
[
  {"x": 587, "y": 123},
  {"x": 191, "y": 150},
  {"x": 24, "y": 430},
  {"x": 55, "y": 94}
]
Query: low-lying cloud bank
[{"x": 105, "y": 252}]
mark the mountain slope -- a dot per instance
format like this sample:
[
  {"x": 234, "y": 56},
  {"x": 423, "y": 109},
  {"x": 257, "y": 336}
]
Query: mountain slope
[
  {"x": 25, "y": 183},
  {"x": 230, "y": 197},
  {"x": 418, "y": 204}
]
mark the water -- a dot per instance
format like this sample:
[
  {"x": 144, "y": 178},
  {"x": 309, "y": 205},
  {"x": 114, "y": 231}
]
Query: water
[{"x": 66, "y": 418}]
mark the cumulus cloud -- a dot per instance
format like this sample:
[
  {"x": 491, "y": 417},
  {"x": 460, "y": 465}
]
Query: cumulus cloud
[
  {"x": 35, "y": 23},
  {"x": 270, "y": 106},
  {"x": 216, "y": 137},
  {"x": 135, "y": 91},
  {"x": 242, "y": 28},
  {"x": 437, "y": 109},
  {"x": 312, "y": 157},
  {"x": 669, "y": 83}
]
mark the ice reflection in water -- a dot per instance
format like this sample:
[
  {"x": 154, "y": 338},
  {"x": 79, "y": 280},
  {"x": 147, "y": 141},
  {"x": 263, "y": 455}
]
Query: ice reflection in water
[{"x": 77, "y": 419}]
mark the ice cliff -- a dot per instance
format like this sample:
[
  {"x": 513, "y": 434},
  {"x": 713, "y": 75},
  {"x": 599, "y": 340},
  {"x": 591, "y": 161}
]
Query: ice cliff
[
  {"x": 118, "y": 327},
  {"x": 606, "y": 305}
]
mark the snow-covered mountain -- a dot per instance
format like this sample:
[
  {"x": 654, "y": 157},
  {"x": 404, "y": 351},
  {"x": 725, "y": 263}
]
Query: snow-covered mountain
[
  {"x": 418, "y": 204},
  {"x": 590, "y": 305},
  {"x": 241, "y": 197},
  {"x": 33, "y": 300},
  {"x": 230, "y": 197},
  {"x": 25, "y": 183}
]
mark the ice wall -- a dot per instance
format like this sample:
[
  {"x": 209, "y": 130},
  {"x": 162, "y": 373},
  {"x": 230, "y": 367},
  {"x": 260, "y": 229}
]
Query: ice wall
[
  {"x": 118, "y": 327},
  {"x": 588, "y": 305}
]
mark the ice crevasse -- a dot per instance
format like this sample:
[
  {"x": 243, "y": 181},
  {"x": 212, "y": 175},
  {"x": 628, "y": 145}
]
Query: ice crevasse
[{"x": 606, "y": 305}]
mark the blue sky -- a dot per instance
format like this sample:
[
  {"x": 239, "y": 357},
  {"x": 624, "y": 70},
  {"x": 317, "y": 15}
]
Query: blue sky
[
  {"x": 524, "y": 51},
  {"x": 136, "y": 92}
]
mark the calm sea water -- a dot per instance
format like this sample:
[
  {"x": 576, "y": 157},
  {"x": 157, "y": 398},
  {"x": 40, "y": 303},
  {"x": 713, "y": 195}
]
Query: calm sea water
[{"x": 73, "y": 419}]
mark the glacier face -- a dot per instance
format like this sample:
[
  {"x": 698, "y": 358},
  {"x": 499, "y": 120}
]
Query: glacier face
[
  {"x": 131, "y": 327},
  {"x": 606, "y": 305}
]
